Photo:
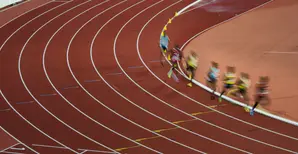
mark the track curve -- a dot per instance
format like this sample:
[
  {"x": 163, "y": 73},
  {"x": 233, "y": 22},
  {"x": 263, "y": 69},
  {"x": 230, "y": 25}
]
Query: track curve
[{"x": 79, "y": 77}]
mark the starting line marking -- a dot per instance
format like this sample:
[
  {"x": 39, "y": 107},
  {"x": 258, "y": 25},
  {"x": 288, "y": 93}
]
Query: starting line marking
[
  {"x": 86, "y": 150},
  {"x": 12, "y": 148},
  {"x": 48, "y": 146},
  {"x": 11, "y": 152}
]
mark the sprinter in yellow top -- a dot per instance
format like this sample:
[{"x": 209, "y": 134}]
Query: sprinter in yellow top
[
  {"x": 192, "y": 64},
  {"x": 229, "y": 80}
]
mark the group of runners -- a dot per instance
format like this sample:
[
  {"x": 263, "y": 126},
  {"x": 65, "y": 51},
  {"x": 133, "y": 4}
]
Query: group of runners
[{"x": 232, "y": 85}]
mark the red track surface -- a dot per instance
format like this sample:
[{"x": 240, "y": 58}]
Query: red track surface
[{"x": 56, "y": 79}]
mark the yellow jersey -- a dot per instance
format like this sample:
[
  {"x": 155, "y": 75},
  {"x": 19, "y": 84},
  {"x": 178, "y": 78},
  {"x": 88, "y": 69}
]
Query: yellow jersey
[
  {"x": 192, "y": 61},
  {"x": 230, "y": 78}
]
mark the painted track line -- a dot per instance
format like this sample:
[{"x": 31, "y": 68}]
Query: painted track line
[
  {"x": 9, "y": 146},
  {"x": 227, "y": 130},
  {"x": 114, "y": 48},
  {"x": 26, "y": 13},
  {"x": 164, "y": 101},
  {"x": 102, "y": 77},
  {"x": 28, "y": 23},
  {"x": 32, "y": 126},
  {"x": 20, "y": 73},
  {"x": 10, "y": 103},
  {"x": 48, "y": 78},
  {"x": 208, "y": 89},
  {"x": 91, "y": 56},
  {"x": 124, "y": 72}
]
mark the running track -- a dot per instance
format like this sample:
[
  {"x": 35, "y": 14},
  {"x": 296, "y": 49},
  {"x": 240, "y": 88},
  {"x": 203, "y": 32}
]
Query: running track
[{"x": 83, "y": 77}]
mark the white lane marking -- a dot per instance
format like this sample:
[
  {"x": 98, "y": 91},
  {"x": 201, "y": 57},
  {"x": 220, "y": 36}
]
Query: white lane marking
[
  {"x": 68, "y": 63},
  {"x": 48, "y": 78},
  {"x": 48, "y": 146},
  {"x": 12, "y": 152},
  {"x": 9, "y": 102},
  {"x": 68, "y": 49},
  {"x": 20, "y": 149},
  {"x": 155, "y": 96},
  {"x": 24, "y": 120},
  {"x": 9, "y": 146},
  {"x": 197, "y": 7},
  {"x": 27, "y": 23},
  {"x": 232, "y": 132},
  {"x": 208, "y": 89},
  {"x": 115, "y": 55},
  {"x": 21, "y": 76}
]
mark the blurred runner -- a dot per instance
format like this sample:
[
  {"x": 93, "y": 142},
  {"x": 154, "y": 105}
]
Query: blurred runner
[
  {"x": 191, "y": 66},
  {"x": 261, "y": 92},
  {"x": 164, "y": 43},
  {"x": 212, "y": 77},
  {"x": 229, "y": 80}
]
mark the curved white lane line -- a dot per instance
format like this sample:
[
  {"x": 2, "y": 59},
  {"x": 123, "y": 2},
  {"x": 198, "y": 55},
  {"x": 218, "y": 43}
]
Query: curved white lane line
[
  {"x": 227, "y": 130},
  {"x": 91, "y": 56},
  {"x": 26, "y": 13},
  {"x": 10, "y": 103},
  {"x": 232, "y": 100},
  {"x": 28, "y": 23},
  {"x": 44, "y": 67},
  {"x": 21, "y": 76},
  {"x": 19, "y": 142},
  {"x": 119, "y": 65},
  {"x": 48, "y": 78},
  {"x": 115, "y": 55},
  {"x": 208, "y": 89}
]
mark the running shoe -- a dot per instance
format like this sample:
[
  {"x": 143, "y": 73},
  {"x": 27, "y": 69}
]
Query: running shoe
[{"x": 251, "y": 112}]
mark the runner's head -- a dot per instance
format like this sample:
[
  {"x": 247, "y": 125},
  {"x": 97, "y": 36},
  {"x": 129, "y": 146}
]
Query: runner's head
[
  {"x": 214, "y": 64},
  {"x": 231, "y": 69},
  {"x": 193, "y": 53}
]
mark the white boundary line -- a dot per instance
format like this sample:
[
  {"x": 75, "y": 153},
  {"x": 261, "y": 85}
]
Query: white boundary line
[
  {"x": 10, "y": 103},
  {"x": 115, "y": 55},
  {"x": 208, "y": 89},
  {"x": 140, "y": 57},
  {"x": 44, "y": 67},
  {"x": 136, "y": 104},
  {"x": 230, "y": 99},
  {"x": 91, "y": 51},
  {"x": 29, "y": 124},
  {"x": 48, "y": 146},
  {"x": 21, "y": 77},
  {"x": 12, "y": 152},
  {"x": 89, "y": 150},
  {"x": 28, "y": 22}
]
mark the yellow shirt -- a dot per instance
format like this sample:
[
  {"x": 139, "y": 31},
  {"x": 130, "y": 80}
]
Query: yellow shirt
[
  {"x": 230, "y": 78},
  {"x": 193, "y": 62},
  {"x": 245, "y": 83}
]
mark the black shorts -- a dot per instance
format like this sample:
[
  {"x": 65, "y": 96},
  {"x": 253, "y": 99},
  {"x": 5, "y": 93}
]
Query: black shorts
[
  {"x": 228, "y": 86},
  {"x": 164, "y": 47},
  {"x": 190, "y": 68},
  {"x": 242, "y": 91}
]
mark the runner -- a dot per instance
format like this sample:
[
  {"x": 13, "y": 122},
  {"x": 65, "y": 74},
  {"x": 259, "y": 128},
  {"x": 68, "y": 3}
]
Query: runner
[
  {"x": 175, "y": 59},
  {"x": 163, "y": 44},
  {"x": 191, "y": 66},
  {"x": 211, "y": 78},
  {"x": 229, "y": 80},
  {"x": 242, "y": 85},
  {"x": 261, "y": 92}
]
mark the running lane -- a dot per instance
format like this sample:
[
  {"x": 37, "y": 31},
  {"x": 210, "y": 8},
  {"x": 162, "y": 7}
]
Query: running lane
[
  {"x": 18, "y": 97},
  {"x": 83, "y": 70},
  {"x": 184, "y": 27}
]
